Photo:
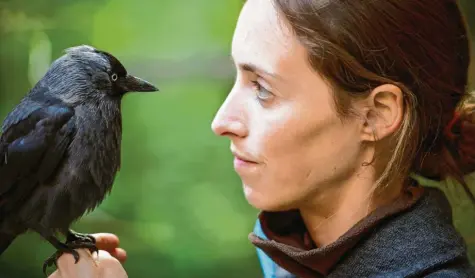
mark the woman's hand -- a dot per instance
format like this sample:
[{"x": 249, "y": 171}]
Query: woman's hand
[
  {"x": 105, "y": 264},
  {"x": 110, "y": 243}
]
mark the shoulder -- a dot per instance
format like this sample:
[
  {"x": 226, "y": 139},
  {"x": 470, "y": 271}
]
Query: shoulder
[
  {"x": 419, "y": 242},
  {"x": 34, "y": 105}
]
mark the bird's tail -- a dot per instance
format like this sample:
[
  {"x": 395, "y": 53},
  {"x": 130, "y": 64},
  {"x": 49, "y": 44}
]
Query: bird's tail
[{"x": 5, "y": 241}]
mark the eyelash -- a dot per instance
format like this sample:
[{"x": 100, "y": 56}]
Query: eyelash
[{"x": 259, "y": 88}]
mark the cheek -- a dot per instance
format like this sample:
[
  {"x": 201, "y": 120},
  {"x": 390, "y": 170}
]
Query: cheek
[
  {"x": 300, "y": 155},
  {"x": 295, "y": 136},
  {"x": 269, "y": 131},
  {"x": 101, "y": 81}
]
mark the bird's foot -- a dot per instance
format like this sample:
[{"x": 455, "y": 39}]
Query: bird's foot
[
  {"x": 84, "y": 240},
  {"x": 69, "y": 247},
  {"x": 73, "y": 236}
]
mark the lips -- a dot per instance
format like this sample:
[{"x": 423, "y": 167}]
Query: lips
[
  {"x": 242, "y": 156},
  {"x": 243, "y": 164},
  {"x": 243, "y": 159}
]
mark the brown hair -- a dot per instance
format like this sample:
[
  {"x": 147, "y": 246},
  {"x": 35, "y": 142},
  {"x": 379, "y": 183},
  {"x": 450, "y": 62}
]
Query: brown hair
[{"x": 422, "y": 47}]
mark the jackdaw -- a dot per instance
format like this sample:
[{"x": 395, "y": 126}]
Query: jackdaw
[{"x": 60, "y": 148}]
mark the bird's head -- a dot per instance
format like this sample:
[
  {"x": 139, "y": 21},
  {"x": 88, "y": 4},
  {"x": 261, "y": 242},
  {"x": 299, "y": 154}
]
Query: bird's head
[{"x": 85, "y": 73}]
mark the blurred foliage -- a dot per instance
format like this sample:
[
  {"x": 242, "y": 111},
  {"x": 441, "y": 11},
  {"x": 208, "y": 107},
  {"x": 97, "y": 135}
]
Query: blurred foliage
[{"x": 177, "y": 204}]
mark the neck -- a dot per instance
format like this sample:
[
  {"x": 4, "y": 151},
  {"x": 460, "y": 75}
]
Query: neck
[{"x": 331, "y": 215}]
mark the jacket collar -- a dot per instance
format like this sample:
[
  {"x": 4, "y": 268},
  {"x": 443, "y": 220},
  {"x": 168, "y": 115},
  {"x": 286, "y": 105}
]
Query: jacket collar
[{"x": 288, "y": 244}]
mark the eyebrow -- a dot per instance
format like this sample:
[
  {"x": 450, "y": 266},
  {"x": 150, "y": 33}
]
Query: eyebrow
[{"x": 250, "y": 67}]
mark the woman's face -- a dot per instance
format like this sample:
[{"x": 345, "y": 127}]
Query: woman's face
[{"x": 288, "y": 141}]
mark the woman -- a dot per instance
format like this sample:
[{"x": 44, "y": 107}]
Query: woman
[{"x": 336, "y": 104}]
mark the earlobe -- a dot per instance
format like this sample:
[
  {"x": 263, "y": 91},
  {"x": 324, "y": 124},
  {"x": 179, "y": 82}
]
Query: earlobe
[{"x": 383, "y": 113}]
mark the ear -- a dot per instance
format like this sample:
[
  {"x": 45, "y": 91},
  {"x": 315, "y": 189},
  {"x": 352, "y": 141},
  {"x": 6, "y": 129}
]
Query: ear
[{"x": 384, "y": 109}]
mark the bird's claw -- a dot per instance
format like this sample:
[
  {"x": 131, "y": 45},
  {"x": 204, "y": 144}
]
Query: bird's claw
[
  {"x": 78, "y": 237},
  {"x": 87, "y": 241},
  {"x": 91, "y": 246},
  {"x": 53, "y": 258},
  {"x": 69, "y": 248}
]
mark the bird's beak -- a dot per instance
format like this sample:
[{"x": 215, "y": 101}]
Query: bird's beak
[{"x": 135, "y": 84}]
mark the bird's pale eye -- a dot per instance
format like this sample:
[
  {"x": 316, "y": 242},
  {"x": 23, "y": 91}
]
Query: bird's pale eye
[{"x": 114, "y": 76}]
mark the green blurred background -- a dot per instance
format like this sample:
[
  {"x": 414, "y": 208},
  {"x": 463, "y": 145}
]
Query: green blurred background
[{"x": 177, "y": 204}]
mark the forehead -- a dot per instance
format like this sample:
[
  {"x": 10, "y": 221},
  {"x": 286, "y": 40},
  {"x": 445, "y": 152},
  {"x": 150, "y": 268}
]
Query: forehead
[
  {"x": 114, "y": 63},
  {"x": 261, "y": 36},
  {"x": 95, "y": 59}
]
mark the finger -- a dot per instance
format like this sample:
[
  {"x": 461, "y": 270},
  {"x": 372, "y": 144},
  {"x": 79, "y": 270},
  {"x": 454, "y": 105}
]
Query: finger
[
  {"x": 55, "y": 274},
  {"x": 68, "y": 267},
  {"x": 67, "y": 259},
  {"x": 119, "y": 254},
  {"x": 101, "y": 255},
  {"x": 109, "y": 266},
  {"x": 106, "y": 241}
]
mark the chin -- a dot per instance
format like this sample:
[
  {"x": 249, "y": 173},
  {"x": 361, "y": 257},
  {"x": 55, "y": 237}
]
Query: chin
[{"x": 265, "y": 202}]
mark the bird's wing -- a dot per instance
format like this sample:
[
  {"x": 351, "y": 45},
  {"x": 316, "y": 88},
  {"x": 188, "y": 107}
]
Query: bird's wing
[{"x": 32, "y": 146}]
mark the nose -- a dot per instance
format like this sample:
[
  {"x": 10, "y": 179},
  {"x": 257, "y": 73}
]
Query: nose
[
  {"x": 228, "y": 127},
  {"x": 230, "y": 119}
]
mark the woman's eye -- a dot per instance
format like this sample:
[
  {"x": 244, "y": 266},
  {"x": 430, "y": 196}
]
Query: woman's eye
[{"x": 262, "y": 93}]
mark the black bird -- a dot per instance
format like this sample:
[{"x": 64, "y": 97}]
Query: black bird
[{"x": 60, "y": 148}]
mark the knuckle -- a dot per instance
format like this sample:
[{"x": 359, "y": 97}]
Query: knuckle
[
  {"x": 111, "y": 267},
  {"x": 102, "y": 254},
  {"x": 109, "y": 261},
  {"x": 65, "y": 259},
  {"x": 55, "y": 274}
]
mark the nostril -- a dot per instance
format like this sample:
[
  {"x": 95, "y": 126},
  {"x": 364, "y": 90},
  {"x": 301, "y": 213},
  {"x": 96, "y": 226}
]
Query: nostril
[{"x": 228, "y": 134}]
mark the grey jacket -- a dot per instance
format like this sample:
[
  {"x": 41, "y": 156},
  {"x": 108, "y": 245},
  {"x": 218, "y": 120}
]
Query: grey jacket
[{"x": 419, "y": 242}]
